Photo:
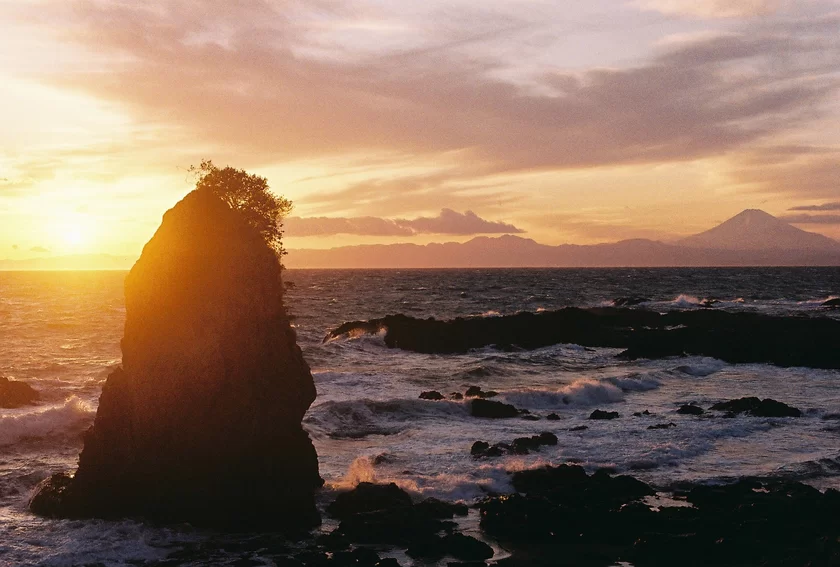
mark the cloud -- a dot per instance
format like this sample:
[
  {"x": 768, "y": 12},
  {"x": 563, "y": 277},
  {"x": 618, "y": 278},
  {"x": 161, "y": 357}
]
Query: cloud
[
  {"x": 447, "y": 222},
  {"x": 39, "y": 250},
  {"x": 823, "y": 207},
  {"x": 811, "y": 219},
  {"x": 261, "y": 86},
  {"x": 324, "y": 226},
  {"x": 712, "y": 8},
  {"x": 803, "y": 172}
]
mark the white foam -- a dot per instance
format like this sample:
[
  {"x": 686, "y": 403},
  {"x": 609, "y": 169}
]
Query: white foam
[
  {"x": 581, "y": 393},
  {"x": 70, "y": 417}
]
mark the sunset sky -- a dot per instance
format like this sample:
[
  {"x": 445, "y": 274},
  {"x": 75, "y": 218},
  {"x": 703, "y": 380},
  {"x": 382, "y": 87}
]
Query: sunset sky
[{"x": 397, "y": 121}]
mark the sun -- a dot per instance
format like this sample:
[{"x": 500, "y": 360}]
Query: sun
[{"x": 72, "y": 232}]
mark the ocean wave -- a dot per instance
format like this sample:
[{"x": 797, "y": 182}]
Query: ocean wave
[
  {"x": 702, "y": 368},
  {"x": 584, "y": 392},
  {"x": 355, "y": 419},
  {"x": 71, "y": 417}
]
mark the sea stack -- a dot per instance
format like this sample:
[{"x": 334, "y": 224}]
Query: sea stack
[{"x": 202, "y": 422}]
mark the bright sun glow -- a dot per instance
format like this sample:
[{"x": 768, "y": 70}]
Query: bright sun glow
[{"x": 72, "y": 232}]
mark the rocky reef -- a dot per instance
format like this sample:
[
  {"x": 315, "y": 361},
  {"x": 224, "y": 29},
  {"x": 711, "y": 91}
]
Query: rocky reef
[
  {"x": 732, "y": 337},
  {"x": 202, "y": 422}
]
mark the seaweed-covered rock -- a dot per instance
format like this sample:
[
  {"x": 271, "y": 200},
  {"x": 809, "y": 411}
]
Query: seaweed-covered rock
[
  {"x": 14, "y": 394},
  {"x": 202, "y": 422}
]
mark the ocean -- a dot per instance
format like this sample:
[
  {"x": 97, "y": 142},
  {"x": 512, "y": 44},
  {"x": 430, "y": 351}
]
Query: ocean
[{"x": 60, "y": 332}]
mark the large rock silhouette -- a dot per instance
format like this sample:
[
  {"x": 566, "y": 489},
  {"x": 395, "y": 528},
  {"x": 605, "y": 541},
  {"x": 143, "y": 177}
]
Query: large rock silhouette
[{"x": 202, "y": 422}]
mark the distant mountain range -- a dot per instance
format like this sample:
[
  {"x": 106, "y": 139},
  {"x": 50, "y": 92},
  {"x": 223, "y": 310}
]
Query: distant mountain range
[{"x": 751, "y": 238}]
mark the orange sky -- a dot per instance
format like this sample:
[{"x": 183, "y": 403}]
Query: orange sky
[{"x": 562, "y": 121}]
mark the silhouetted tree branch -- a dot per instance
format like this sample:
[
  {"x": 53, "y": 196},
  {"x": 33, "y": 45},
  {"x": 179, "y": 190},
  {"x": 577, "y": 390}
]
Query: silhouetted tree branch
[{"x": 250, "y": 195}]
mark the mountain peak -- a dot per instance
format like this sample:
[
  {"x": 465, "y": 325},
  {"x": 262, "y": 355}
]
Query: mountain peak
[{"x": 754, "y": 229}]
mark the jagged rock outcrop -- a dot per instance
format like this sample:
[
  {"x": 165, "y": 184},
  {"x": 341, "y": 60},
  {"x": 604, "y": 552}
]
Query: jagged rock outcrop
[{"x": 202, "y": 422}]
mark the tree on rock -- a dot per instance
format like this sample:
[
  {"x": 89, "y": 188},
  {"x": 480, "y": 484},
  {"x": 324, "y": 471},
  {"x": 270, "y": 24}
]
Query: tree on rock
[{"x": 250, "y": 195}]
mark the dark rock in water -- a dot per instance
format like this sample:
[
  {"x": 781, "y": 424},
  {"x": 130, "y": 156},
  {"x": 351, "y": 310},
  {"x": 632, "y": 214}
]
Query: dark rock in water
[
  {"x": 758, "y": 408},
  {"x": 831, "y": 416},
  {"x": 629, "y": 301},
  {"x": 662, "y": 426},
  {"x": 456, "y": 396},
  {"x": 477, "y": 392},
  {"x": 601, "y": 414},
  {"x": 51, "y": 496},
  {"x": 552, "y": 417},
  {"x": 530, "y": 417},
  {"x": 472, "y": 391},
  {"x": 520, "y": 445},
  {"x": 202, "y": 423},
  {"x": 431, "y": 395},
  {"x": 369, "y": 497},
  {"x": 479, "y": 447},
  {"x": 732, "y": 337},
  {"x": 690, "y": 409},
  {"x": 641, "y": 413},
  {"x": 833, "y": 303},
  {"x": 14, "y": 394},
  {"x": 579, "y": 428},
  {"x": 487, "y": 408}
]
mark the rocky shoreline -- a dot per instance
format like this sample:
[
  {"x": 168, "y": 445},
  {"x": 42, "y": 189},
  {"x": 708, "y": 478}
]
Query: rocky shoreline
[{"x": 732, "y": 337}]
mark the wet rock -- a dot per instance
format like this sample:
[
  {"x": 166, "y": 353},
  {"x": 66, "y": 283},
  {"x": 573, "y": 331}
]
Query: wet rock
[
  {"x": 601, "y": 414},
  {"x": 369, "y": 497},
  {"x": 531, "y": 417},
  {"x": 431, "y": 395},
  {"x": 202, "y": 422},
  {"x": 488, "y": 408},
  {"x": 520, "y": 446},
  {"x": 690, "y": 409},
  {"x": 758, "y": 408},
  {"x": 641, "y": 413},
  {"x": 579, "y": 428},
  {"x": 552, "y": 417},
  {"x": 456, "y": 396},
  {"x": 833, "y": 303},
  {"x": 662, "y": 426},
  {"x": 15, "y": 394}
]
